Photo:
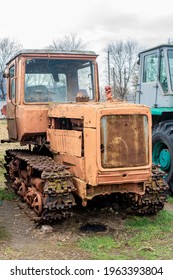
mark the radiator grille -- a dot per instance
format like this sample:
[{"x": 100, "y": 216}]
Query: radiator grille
[{"x": 124, "y": 141}]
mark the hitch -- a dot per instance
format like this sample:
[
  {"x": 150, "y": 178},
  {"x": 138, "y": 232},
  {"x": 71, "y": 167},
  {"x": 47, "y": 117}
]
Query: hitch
[{"x": 6, "y": 141}]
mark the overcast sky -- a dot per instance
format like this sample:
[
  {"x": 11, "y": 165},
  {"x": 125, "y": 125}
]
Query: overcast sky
[{"x": 35, "y": 23}]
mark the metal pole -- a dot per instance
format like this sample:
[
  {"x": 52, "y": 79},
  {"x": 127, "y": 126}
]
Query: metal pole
[
  {"x": 109, "y": 80},
  {"x": 113, "y": 69}
]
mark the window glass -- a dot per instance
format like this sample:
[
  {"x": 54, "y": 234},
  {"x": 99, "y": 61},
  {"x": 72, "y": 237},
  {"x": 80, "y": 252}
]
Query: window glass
[
  {"x": 150, "y": 68},
  {"x": 170, "y": 62},
  {"x": 41, "y": 87},
  {"x": 12, "y": 83},
  {"x": 85, "y": 81},
  {"x": 51, "y": 80},
  {"x": 163, "y": 76}
]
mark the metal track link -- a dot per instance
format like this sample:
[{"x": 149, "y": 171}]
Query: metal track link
[
  {"x": 54, "y": 199},
  {"x": 156, "y": 193}
]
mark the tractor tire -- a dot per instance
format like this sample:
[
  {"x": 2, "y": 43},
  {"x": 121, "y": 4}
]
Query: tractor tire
[{"x": 162, "y": 149}]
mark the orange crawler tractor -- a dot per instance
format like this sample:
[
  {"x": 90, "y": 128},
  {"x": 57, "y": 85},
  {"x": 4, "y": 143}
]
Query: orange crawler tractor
[{"x": 78, "y": 148}]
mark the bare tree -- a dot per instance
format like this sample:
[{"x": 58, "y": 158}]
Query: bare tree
[
  {"x": 68, "y": 43},
  {"x": 8, "y": 47},
  {"x": 122, "y": 66}
]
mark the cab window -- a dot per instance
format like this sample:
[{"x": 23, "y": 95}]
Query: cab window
[
  {"x": 170, "y": 63},
  {"x": 162, "y": 73},
  {"x": 58, "y": 80},
  {"x": 150, "y": 68},
  {"x": 12, "y": 82}
]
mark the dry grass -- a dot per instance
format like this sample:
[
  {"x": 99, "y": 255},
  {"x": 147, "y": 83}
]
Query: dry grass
[
  {"x": 3, "y": 148},
  {"x": 4, "y": 135}
]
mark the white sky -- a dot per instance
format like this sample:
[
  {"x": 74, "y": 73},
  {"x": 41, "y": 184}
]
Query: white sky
[{"x": 35, "y": 23}]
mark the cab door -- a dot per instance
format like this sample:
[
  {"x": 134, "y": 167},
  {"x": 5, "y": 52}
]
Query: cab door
[
  {"x": 11, "y": 103},
  {"x": 148, "y": 81},
  {"x": 154, "y": 79}
]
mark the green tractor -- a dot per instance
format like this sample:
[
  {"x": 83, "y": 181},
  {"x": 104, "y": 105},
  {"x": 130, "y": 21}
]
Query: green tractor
[{"x": 155, "y": 89}]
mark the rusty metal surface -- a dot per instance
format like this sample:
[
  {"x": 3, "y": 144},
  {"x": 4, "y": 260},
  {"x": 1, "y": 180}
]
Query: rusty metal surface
[
  {"x": 50, "y": 193},
  {"x": 104, "y": 162},
  {"x": 53, "y": 53},
  {"x": 124, "y": 176},
  {"x": 65, "y": 141},
  {"x": 117, "y": 188},
  {"x": 76, "y": 165},
  {"x": 124, "y": 141}
]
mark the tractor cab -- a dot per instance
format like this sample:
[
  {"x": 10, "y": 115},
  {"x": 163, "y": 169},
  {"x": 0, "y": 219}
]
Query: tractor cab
[
  {"x": 156, "y": 91},
  {"x": 156, "y": 77},
  {"x": 36, "y": 78}
]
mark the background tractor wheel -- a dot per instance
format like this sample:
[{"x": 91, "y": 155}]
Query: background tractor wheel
[{"x": 162, "y": 154}]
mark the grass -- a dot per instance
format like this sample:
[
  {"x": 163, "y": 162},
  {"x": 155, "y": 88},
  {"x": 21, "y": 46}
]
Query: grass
[
  {"x": 6, "y": 194},
  {"x": 2, "y": 176},
  {"x": 3, "y": 233},
  {"x": 152, "y": 236},
  {"x": 160, "y": 222},
  {"x": 143, "y": 238},
  {"x": 3, "y": 148},
  {"x": 170, "y": 199},
  {"x": 100, "y": 247},
  {"x": 3, "y": 135}
]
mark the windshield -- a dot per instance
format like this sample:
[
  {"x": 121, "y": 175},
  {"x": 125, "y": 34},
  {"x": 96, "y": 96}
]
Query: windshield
[
  {"x": 61, "y": 80},
  {"x": 170, "y": 62}
]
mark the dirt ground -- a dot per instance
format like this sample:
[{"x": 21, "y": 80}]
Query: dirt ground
[{"x": 24, "y": 240}]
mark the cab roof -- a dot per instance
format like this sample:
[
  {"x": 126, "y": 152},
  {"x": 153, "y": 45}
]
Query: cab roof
[
  {"x": 157, "y": 47},
  {"x": 50, "y": 51}
]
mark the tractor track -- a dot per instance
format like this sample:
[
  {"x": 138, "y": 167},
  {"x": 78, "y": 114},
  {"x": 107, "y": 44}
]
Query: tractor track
[
  {"x": 45, "y": 186},
  {"x": 48, "y": 189}
]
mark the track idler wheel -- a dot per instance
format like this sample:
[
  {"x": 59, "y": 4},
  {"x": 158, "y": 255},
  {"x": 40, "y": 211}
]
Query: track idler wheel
[
  {"x": 35, "y": 200},
  {"x": 38, "y": 184},
  {"x": 22, "y": 190},
  {"x": 29, "y": 197},
  {"x": 16, "y": 184},
  {"x": 13, "y": 168},
  {"x": 37, "y": 204}
]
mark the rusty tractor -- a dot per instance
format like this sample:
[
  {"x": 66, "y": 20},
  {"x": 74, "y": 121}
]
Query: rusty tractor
[{"x": 76, "y": 147}]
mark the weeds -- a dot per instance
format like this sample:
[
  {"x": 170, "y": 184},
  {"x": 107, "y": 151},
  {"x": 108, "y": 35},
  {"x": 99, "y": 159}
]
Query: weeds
[
  {"x": 99, "y": 246},
  {"x": 170, "y": 199},
  {"x": 6, "y": 194},
  {"x": 143, "y": 238},
  {"x": 149, "y": 236},
  {"x": 160, "y": 222},
  {"x": 3, "y": 233}
]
